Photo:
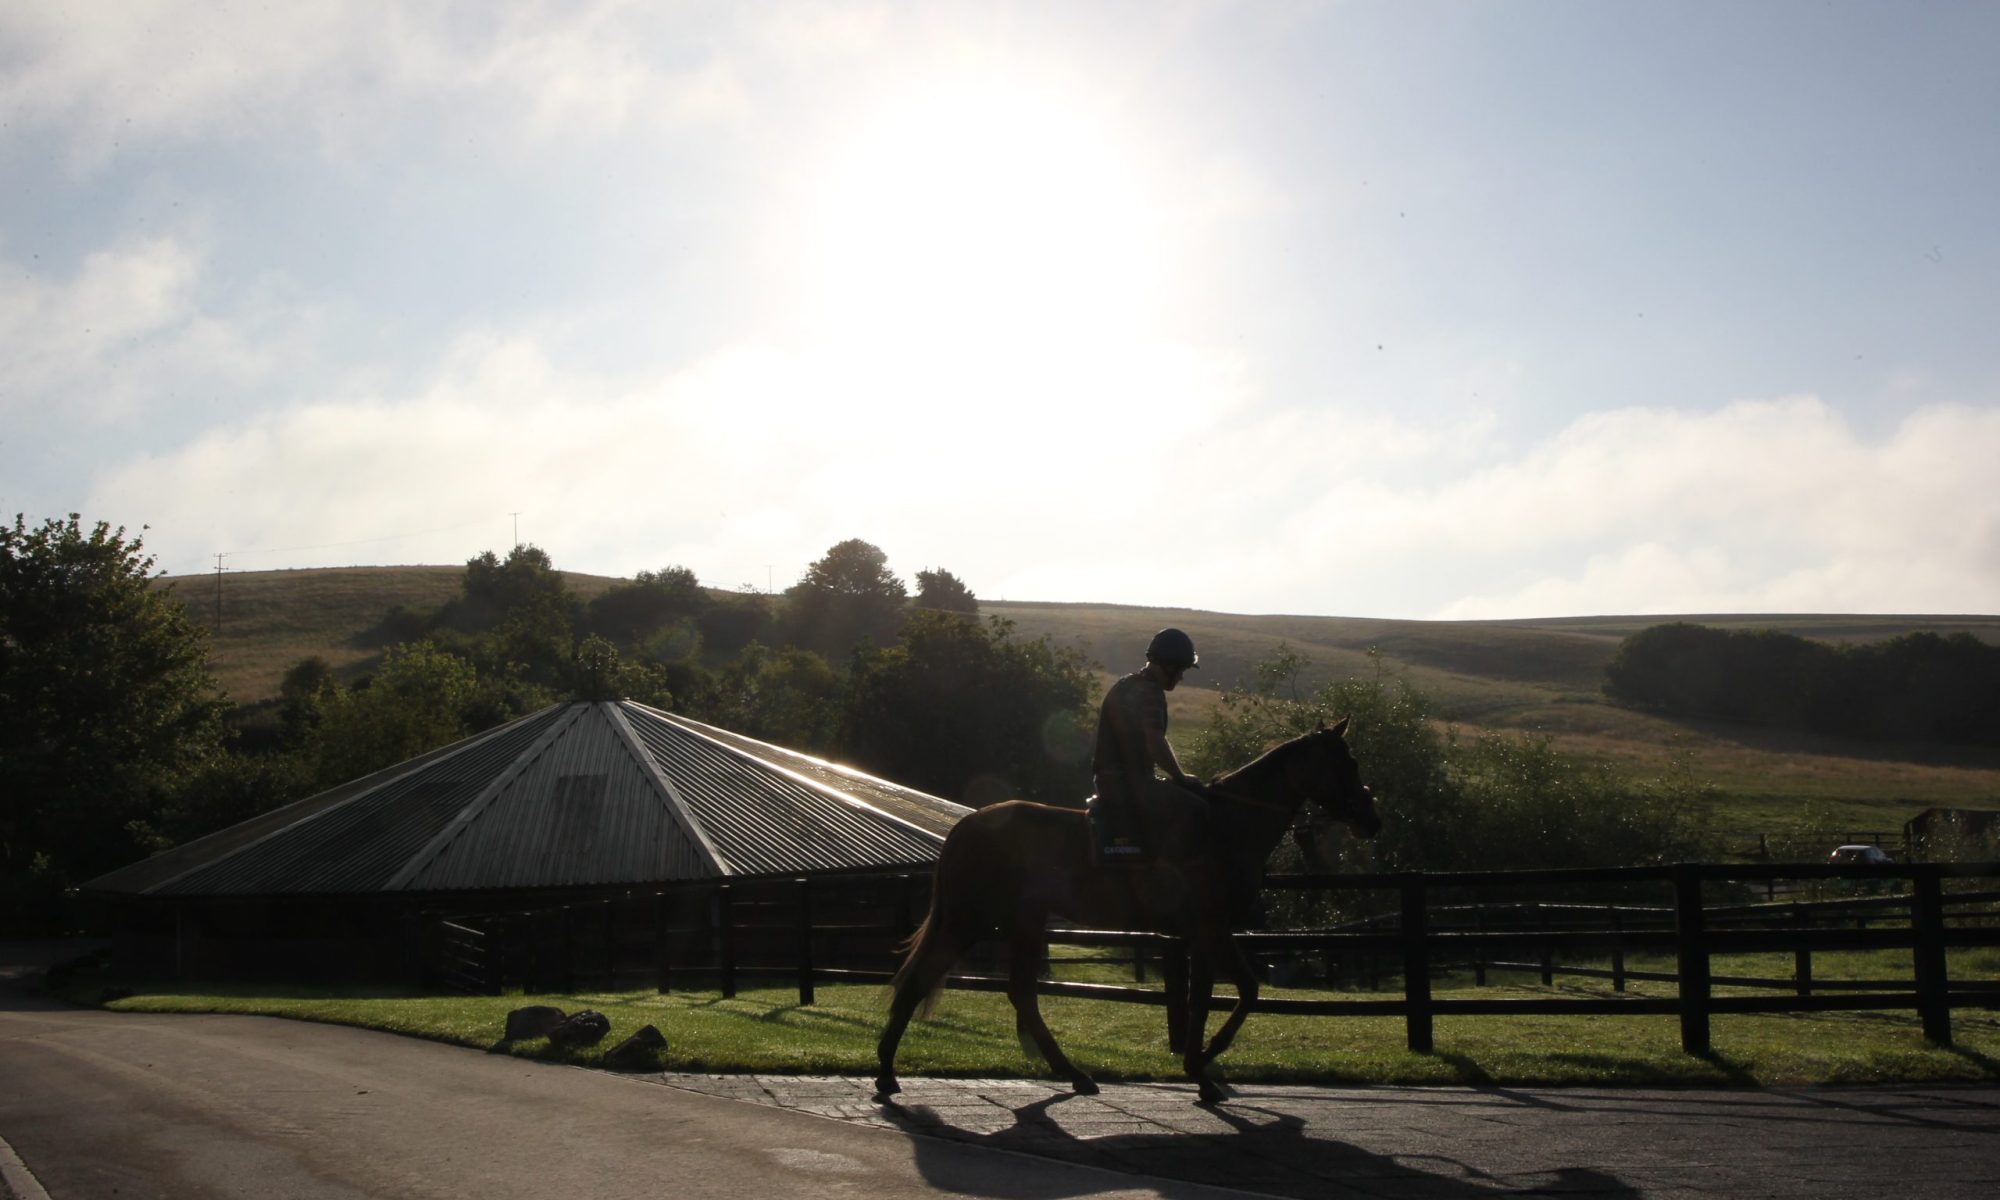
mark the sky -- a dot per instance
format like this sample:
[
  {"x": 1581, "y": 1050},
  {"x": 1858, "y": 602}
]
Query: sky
[{"x": 1393, "y": 309}]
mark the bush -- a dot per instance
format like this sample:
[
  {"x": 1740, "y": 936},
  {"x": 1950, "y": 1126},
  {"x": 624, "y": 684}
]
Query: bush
[{"x": 1493, "y": 803}]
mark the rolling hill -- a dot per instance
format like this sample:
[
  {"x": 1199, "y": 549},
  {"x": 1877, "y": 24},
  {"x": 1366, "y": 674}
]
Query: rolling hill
[{"x": 1537, "y": 676}]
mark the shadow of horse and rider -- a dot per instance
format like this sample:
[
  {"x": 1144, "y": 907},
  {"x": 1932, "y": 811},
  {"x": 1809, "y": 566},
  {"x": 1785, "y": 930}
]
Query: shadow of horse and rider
[{"x": 1260, "y": 1149}]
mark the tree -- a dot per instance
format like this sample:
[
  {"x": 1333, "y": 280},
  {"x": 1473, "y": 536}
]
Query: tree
[
  {"x": 735, "y": 622},
  {"x": 416, "y": 701},
  {"x": 944, "y": 591},
  {"x": 302, "y": 697},
  {"x": 106, "y": 704},
  {"x": 1915, "y": 686},
  {"x": 631, "y": 613},
  {"x": 848, "y": 595},
  {"x": 789, "y": 696},
  {"x": 520, "y": 614},
  {"x": 966, "y": 711},
  {"x": 602, "y": 675}
]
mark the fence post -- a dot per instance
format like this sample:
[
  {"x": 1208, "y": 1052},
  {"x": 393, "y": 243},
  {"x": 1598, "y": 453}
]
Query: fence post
[
  {"x": 1802, "y": 957},
  {"x": 1416, "y": 964},
  {"x": 569, "y": 950},
  {"x": 1617, "y": 949},
  {"x": 662, "y": 944},
  {"x": 1691, "y": 947},
  {"x": 805, "y": 941},
  {"x": 725, "y": 942},
  {"x": 1933, "y": 986},
  {"x": 1548, "y": 947},
  {"x": 610, "y": 945},
  {"x": 1479, "y": 946},
  {"x": 905, "y": 884}
]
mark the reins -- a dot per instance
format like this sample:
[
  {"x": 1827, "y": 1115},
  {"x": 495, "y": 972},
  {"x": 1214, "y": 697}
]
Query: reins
[{"x": 1301, "y": 811}]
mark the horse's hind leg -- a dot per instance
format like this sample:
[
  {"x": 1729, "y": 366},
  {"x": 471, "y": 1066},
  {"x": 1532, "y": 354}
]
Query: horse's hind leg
[
  {"x": 1174, "y": 982},
  {"x": 923, "y": 972},
  {"x": 1023, "y": 971}
]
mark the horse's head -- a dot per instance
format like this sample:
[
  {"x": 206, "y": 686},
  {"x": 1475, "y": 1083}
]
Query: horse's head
[{"x": 1325, "y": 771}]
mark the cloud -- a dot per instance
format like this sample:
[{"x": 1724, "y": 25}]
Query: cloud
[
  {"x": 1755, "y": 507},
  {"x": 755, "y": 454},
  {"x": 1764, "y": 506},
  {"x": 123, "y": 330},
  {"x": 1131, "y": 476},
  {"x": 747, "y": 464},
  {"x": 110, "y": 77}
]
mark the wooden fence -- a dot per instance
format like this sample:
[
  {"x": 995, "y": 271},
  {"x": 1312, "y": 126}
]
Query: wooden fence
[{"x": 848, "y": 928}]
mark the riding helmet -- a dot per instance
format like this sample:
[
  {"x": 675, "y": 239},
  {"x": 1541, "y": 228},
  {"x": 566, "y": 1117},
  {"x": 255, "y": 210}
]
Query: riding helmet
[{"x": 1172, "y": 648}]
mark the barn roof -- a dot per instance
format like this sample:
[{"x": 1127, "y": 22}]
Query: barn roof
[{"x": 577, "y": 794}]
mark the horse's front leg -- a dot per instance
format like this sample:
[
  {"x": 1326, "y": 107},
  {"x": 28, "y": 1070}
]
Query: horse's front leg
[
  {"x": 1023, "y": 973},
  {"x": 1225, "y": 948},
  {"x": 1201, "y": 986}
]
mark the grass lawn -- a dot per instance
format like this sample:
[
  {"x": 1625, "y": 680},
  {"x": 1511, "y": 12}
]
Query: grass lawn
[{"x": 767, "y": 1030}]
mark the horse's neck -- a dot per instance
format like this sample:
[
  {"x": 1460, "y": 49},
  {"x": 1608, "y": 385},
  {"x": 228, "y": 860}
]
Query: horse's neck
[{"x": 1269, "y": 806}]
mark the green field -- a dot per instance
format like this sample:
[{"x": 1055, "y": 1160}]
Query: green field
[{"x": 1520, "y": 676}]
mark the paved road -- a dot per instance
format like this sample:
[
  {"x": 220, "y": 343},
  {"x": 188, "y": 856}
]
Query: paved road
[
  {"x": 1942, "y": 1143},
  {"x": 136, "y": 1106},
  {"x": 104, "y": 1104}
]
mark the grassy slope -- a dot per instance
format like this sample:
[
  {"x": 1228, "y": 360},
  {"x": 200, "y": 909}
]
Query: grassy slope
[
  {"x": 1501, "y": 675},
  {"x": 1545, "y": 677}
]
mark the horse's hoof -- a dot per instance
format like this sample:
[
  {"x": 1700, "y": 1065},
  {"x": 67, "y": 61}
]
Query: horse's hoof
[
  {"x": 1211, "y": 1093},
  {"x": 885, "y": 1088},
  {"x": 1083, "y": 1085}
]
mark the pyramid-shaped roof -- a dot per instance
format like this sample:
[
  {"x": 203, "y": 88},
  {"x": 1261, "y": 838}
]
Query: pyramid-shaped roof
[{"x": 579, "y": 794}]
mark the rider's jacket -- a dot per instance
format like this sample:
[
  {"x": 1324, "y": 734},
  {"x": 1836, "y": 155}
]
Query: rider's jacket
[{"x": 1123, "y": 758}]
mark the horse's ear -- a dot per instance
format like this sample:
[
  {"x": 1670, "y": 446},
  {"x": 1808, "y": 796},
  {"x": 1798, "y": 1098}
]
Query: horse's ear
[{"x": 1340, "y": 728}]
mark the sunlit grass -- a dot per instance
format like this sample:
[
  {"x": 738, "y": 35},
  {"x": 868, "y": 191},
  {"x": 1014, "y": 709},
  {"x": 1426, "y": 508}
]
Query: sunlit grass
[{"x": 766, "y": 1030}]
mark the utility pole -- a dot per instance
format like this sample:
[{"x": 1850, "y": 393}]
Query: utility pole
[
  {"x": 517, "y": 530},
  {"x": 218, "y": 593}
]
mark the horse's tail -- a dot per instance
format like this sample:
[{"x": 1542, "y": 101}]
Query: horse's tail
[
  {"x": 911, "y": 973},
  {"x": 915, "y": 947}
]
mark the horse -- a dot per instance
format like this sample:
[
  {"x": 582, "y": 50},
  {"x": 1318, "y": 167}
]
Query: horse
[{"x": 1005, "y": 869}]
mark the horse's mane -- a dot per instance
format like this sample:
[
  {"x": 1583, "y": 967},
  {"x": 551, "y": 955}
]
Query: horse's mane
[{"x": 1269, "y": 757}]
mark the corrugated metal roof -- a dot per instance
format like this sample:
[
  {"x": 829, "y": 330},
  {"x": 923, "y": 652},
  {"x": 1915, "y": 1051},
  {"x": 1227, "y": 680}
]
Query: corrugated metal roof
[{"x": 575, "y": 795}]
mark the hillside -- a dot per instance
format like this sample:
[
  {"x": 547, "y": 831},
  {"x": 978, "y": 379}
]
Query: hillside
[{"x": 1523, "y": 675}]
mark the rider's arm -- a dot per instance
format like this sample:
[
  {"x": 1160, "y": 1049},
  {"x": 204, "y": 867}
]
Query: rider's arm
[{"x": 1162, "y": 751}]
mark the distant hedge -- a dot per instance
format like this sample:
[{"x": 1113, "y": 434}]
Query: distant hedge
[{"x": 1918, "y": 686}]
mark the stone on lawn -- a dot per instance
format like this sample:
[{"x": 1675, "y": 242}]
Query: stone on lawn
[
  {"x": 640, "y": 1052},
  {"x": 586, "y": 1028},
  {"x": 536, "y": 1020}
]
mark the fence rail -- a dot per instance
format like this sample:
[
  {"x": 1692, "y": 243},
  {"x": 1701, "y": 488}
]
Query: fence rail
[{"x": 847, "y": 929}]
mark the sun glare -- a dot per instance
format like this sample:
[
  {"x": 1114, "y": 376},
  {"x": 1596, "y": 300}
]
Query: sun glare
[{"x": 974, "y": 216}]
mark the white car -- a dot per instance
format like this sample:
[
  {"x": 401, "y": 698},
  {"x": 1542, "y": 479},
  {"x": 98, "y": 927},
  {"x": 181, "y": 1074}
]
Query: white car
[{"x": 1862, "y": 856}]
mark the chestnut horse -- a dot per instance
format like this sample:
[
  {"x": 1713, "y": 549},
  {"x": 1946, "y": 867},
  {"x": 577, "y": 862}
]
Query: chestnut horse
[{"x": 1005, "y": 870}]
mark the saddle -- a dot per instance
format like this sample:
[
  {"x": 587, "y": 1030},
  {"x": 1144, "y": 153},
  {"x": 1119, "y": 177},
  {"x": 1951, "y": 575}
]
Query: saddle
[
  {"x": 1115, "y": 837},
  {"x": 1162, "y": 820}
]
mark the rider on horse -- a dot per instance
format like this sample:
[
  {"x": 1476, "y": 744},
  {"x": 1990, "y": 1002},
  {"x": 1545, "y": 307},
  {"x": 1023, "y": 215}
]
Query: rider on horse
[{"x": 1131, "y": 742}]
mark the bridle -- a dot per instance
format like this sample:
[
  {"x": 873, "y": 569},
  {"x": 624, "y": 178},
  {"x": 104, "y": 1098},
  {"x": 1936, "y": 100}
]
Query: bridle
[{"x": 1304, "y": 823}]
